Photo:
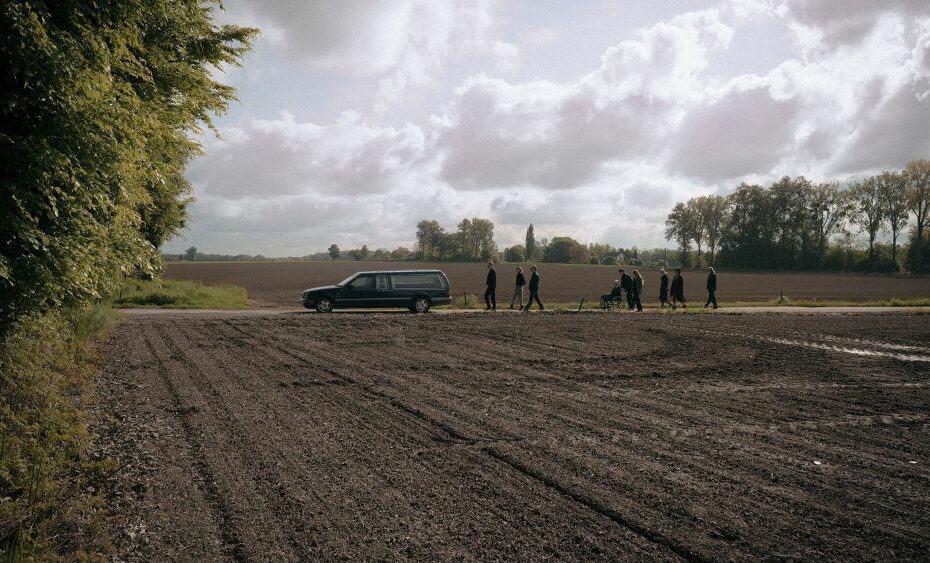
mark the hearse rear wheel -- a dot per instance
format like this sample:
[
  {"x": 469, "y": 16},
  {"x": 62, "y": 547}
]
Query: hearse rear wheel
[{"x": 420, "y": 305}]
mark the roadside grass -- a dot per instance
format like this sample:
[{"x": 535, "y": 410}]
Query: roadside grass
[
  {"x": 50, "y": 504},
  {"x": 180, "y": 294},
  {"x": 471, "y": 301}
]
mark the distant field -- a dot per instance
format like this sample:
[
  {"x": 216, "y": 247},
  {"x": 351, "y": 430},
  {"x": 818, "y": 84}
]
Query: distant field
[{"x": 277, "y": 284}]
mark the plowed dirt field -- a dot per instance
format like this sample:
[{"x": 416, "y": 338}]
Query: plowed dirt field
[
  {"x": 519, "y": 436},
  {"x": 279, "y": 284}
]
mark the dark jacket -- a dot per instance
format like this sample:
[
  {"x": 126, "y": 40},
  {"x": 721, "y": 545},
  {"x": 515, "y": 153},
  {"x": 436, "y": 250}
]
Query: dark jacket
[
  {"x": 626, "y": 282},
  {"x": 534, "y": 283},
  {"x": 678, "y": 287},
  {"x": 616, "y": 292},
  {"x": 663, "y": 288},
  {"x": 711, "y": 282},
  {"x": 521, "y": 281},
  {"x": 492, "y": 278}
]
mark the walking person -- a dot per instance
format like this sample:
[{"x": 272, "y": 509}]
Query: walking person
[
  {"x": 678, "y": 289},
  {"x": 518, "y": 288},
  {"x": 489, "y": 294},
  {"x": 615, "y": 293},
  {"x": 663, "y": 290},
  {"x": 711, "y": 289},
  {"x": 638, "y": 290},
  {"x": 626, "y": 284},
  {"x": 534, "y": 289}
]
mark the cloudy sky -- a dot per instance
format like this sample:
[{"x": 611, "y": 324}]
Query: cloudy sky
[{"x": 357, "y": 118}]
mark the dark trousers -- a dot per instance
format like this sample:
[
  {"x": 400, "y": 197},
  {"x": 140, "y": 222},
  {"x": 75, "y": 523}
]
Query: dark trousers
[
  {"x": 632, "y": 299},
  {"x": 711, "y": 298},
  {"x": 533, "y": 295},
  {"x": 489, "y": 297}
]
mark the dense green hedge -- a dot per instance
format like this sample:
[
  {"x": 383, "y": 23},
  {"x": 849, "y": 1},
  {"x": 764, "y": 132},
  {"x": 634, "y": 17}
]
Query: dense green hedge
[{"x": 99, "y": 106}]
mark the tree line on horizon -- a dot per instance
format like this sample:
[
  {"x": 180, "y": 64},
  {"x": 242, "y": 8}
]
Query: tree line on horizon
[{"x": 795, "y": 224}]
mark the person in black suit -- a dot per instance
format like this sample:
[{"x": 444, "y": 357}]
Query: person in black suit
[
  {"x": 711, "y": 289},
  {"x": 626, "y": 284},
  {"x": 534, "y": 289},
  {"x": 489, "y": 294},
  {"x": 663, "y": 290},
  {"x": 678, "y": 289},
  {"x": 518, "y": 288}
]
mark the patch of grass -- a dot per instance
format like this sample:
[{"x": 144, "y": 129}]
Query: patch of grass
[
  {"x": 179, "y": 294},
  {"x": 49, "y": 504}
]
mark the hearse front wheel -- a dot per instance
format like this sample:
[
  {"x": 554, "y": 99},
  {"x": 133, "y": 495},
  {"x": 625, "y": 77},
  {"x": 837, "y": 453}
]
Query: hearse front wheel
[
  {"x": 420, "y": 305},
  {"x": 324, "y": 305}
]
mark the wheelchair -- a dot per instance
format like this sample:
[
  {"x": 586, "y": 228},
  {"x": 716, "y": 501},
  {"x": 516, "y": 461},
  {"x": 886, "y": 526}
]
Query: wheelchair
[{"x": 613, "y": 302}]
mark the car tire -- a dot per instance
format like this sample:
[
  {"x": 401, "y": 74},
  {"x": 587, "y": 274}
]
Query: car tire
[
  {"x": 420, "y": 305},
  {"x": 324, "y": 305}
]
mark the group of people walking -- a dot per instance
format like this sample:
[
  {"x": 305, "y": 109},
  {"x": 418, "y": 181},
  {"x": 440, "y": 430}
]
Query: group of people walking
[
  {"x": 490, "y": 298},
  {"x": 670, "y": 294}
]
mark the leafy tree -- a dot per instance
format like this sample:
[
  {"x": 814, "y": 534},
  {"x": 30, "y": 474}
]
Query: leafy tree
[
  {"x": 190, "y": 253},
  {"x": 746, "y": 241},
  {"x": 893, "y": 188},
  {"x": 566, "y": 250},
  {"x": 515, "y": 253},
  {"x": 333, "y": 252},
  {"x": 530, "y": 246},
  {"x": 476, "y": 239},
  {"x": 99, "y": 107},
  {"x": 829, "y": 207},
  {"x": 869, "y": 209},
  {"x": 429, "y": 239},
  {"x": 917, "y": 175},
  {"x": 364, "y": 253},
  {"x": 682, "y": 227},
  {"x": 712, "y": 211},
  {"x": 400, "y": 253},
  {"x": 791, "y": 232}
]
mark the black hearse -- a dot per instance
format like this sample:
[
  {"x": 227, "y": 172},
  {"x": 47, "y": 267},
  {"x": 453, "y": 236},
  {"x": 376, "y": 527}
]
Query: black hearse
[{"x": 416, "y": 290}]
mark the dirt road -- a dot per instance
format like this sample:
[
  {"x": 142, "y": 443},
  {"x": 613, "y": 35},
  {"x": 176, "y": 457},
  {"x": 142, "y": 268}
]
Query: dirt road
[{"x": 519, "y": 437}]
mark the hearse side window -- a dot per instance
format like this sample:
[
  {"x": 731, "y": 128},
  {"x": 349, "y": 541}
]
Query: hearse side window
[
  {"x": 425, "y": 281},
  {"x": 384, "y": 282},
  {"x": 363, "y": 282}
]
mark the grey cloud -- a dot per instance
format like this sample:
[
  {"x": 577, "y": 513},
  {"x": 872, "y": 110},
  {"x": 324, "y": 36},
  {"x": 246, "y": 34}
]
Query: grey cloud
[
  {"x": 556, "y": 143},
  {"x": 741, "y": 133},
  {"x": 890, "y": 135},
  {"x": 272, "y": 158},
  {"x": 845, "y": 22}
]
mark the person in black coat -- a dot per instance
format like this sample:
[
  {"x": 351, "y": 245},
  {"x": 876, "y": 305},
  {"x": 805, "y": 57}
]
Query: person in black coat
[
  {"x": 491, "y": 282},
  {"x": 534, "y": 290},
  {"x": 663, "y": 290},
  {"x": 518, "y": 288},
  {"x": 678, "y": 289},
  {"x": 711, "y": 289},
  {"x": 626, "y": 284}
]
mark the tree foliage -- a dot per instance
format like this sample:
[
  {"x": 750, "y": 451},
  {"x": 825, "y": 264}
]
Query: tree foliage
[
  {"x": 566, "y": 250},
  {"x": 790, "y": 224},
  {"x": 530, "y": 246},
  {"x": 473, "y": 241},
  {"x": 99, "y": 102}
]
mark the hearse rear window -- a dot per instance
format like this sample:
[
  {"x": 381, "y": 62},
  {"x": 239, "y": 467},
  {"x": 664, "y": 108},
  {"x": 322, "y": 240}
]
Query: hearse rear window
[{"x": 419, "y": 281}]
